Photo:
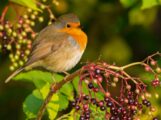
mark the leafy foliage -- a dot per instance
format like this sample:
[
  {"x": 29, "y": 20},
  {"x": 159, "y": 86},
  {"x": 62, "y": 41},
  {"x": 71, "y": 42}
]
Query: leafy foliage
[
  {"x": 145, "y": 3},
  {"x": 128, "y": 3},
  {"x": 27, "y": 3},
  {"x": 150, "y": 3},
  {"x": 131, "y": 23},
  {"x": 42, "y": 81}
]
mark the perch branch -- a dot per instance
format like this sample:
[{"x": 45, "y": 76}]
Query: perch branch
[
  {"x": 54, "y": 88},
  {"x": 57, "y": 86}
]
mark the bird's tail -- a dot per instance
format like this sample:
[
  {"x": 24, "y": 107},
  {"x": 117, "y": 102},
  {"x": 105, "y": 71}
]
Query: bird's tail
[{"x": 14, "y": 74}]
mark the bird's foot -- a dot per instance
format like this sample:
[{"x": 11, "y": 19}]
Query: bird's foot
[{"x": 66, "y": 73}]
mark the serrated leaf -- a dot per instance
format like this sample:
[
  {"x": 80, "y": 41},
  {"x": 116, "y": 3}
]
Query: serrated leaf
[
  {"x": 149, "y": 3},
  {"x": 34, "y": 101},
  {"x": 27, "y": 3}
]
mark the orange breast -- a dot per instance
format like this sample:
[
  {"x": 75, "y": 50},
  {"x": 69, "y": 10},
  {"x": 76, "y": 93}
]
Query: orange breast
[{"x": 78, "y": 35}]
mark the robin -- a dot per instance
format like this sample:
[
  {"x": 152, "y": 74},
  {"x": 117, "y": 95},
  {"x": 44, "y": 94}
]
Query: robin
[{"x": 58, "y": 47}]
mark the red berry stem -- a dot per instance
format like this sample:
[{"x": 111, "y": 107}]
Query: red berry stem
[{"x": 4, "y": 13}]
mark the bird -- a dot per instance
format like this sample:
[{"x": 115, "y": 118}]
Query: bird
[{"x": 58, "y": 47}]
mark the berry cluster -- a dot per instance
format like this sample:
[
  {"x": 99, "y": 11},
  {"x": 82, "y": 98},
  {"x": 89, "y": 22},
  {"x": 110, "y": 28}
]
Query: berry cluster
[
  {"x": 155, "y": 82},
  {"x": 126, "y": 102},
  {"x": 16, "y": 38}
]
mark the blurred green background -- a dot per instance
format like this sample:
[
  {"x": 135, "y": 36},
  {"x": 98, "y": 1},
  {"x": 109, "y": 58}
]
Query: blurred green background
[{"x": 118, "y": 32}]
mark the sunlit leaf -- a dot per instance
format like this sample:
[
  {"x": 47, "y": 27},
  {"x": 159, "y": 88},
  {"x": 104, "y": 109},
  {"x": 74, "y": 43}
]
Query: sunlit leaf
[
  {"x": 57, "y": 77},
  {"x": 39, "y": 78},
  {"x": 97, "y": 114},
  {"x": 67, "y": 90},
  {"x": 34, "y": 101},
  {"x": 139, "y": 17},
  {"x": 53, "y": 106},
  {"x": 33, "y": 75},
  {"x": 68, "y": 116},
  {"x": 27, "y": 3},
  {"x": 71, "y": 117},
  {"x": 149, "y": 3},
  {"x": 63, "y": 102},
  {"x": 127, "y": 3}
]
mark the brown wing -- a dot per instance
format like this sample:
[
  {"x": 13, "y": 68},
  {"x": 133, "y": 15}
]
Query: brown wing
[
  {"x": 43, "y": 34},
  {"x": 44, "y": 47}
]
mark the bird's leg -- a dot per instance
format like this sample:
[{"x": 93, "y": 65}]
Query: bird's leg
[
  {"x": 53, "y": 78},
  {"x": 53, "y": 83},
  {"x": 66, "y": 74}
]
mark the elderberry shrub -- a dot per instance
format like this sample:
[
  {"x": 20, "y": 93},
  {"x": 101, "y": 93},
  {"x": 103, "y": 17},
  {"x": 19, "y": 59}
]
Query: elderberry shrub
[
  {"x": 127, "y": 105},
  {"x": 16, "y": 37}
]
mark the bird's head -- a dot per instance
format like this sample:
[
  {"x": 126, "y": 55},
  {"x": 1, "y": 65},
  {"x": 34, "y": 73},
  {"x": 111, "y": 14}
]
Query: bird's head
[
  {"x": 67, "y": 21},
  {"x": 70, "y": 24}
]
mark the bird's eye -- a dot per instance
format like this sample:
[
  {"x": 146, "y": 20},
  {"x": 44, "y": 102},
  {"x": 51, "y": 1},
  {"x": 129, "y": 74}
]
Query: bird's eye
[{"x": 68, "y": 25}]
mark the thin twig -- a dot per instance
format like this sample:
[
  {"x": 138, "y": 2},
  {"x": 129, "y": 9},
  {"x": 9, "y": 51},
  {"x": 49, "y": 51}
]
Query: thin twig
[
  {"x": 54, "y": 88},
  {"x": 57, "y": 86},
  {"x": 4, "y": 13}
]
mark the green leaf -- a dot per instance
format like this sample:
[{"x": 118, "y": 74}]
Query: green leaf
[
  {"x": 147, "y": 77},
  {"x": 96, "y": 113},
  {"x": 67, "y": 90},
  {"x": 57, "y": 77},
  {"x": 128, "y": 3},
  {"x": 63, "y": 102},
  {"x": 139, "y": 17},
  {"x": 31, "y": 106},
  {"x": 149, "y": 3},
  {"x": 34, "y": 101},
  {"x": 34, "y": 75},
  {"x": 71, "y": 114},
  {"x": 76, "y": 87},
  {"x": 75, "y": 83},
  {"x": 100, "y": 96},
  {"x": 27, "y": 3},
  {"x": 39, "y": 78},
  {"x": 53, "y": 106}
]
